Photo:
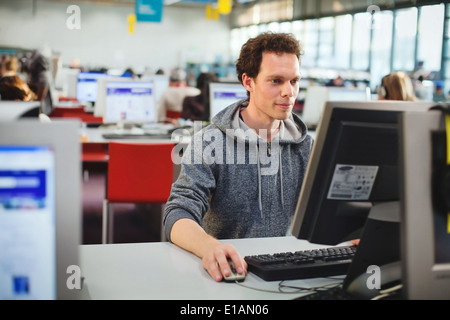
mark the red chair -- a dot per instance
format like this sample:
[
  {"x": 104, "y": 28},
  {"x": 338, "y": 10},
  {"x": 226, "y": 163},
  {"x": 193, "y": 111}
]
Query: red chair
[
  {"x": 63, "y": 112},
  {"x": 137, "y": 173},
  {"x": 172, "y": 115}
]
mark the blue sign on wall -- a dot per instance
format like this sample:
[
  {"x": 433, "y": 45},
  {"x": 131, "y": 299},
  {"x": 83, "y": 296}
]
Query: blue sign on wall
[{"x": 149, "y": 10}]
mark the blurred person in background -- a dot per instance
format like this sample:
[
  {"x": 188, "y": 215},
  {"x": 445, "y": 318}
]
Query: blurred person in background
[
  {"x": 396, "y": 86},
  {"x": 171, "y": 100},
  {"x": 12, "y": 87},
  {"x": 197, "y": 107}
]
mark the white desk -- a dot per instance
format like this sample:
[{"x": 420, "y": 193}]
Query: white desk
[{"x": 161, "y": 270}]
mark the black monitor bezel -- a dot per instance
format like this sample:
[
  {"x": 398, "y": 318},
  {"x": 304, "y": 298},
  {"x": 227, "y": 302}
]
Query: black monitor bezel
[{"x": 316, "y": 226}]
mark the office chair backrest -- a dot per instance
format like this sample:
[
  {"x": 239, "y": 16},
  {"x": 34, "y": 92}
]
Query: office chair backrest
[
  {"x": 170, "y": 114},
  {"x": 62, "y": 112},
  {"x": 139, "y": 172}
]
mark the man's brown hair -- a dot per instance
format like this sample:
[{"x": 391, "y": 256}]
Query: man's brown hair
[{"x": 250, "y": 58}]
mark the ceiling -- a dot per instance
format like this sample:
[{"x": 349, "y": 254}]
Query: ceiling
[{"x": 185, "y": 3}]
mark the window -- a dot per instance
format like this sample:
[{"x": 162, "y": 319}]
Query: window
[
  {"x": 361, "y": 41},
  {"x": 381, "y": 47},
  {"x": 405, "y": 39},
  {"x": 430, "y": 35},
  {"x": 325, "y": 57},
  {"x": 342, "y": 43},
  {"x": 311, "y": 38}
]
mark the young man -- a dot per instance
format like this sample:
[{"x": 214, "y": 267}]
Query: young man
[{"x": 241, "y": 176}]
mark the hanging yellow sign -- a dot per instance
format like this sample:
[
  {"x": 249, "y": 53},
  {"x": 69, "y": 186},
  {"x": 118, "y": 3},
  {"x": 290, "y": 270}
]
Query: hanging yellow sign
[
  {"x": 224, "y": 6},
  {"x": 131, "y": 21},
  {"x": 211, "y": 13}
]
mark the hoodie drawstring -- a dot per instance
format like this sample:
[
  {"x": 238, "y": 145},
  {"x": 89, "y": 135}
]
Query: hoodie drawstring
[
  {"x": 281, "y": 177},
  {"x": 280, "y": 170},
  {"x": 259, "y": 182}
]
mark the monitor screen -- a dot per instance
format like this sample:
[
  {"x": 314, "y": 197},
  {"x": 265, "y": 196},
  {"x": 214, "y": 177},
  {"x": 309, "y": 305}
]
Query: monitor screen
[
  {"x": 223, "y": 94},
  {"x": 87, "y": 86},
  {"x": 40, "y": 208},
  {"x": 317, "y": 96},
  {"x": 27, "y": 212},
  {"x": 99, "y": 107},
  {"x": 130, "y": 101}
]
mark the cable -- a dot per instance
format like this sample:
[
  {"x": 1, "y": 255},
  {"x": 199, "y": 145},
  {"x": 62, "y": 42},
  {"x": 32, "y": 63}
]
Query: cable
[
  {"x": 282, "y": 286},
  {"x": 387, "y": 292}
]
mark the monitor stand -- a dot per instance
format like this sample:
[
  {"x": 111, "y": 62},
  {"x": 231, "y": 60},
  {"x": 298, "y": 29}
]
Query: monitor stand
[{"x": 379, "y": 244}]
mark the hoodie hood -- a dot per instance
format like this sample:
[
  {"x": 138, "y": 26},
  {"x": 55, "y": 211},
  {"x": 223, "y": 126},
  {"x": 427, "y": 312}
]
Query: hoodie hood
[{"x": 292, "y": 131}]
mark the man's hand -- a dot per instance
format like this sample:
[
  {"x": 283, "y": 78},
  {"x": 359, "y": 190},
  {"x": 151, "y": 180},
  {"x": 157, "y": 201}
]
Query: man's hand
[
  {"x": 188, "y": 235},
  {"x": 215, "y": 261}
]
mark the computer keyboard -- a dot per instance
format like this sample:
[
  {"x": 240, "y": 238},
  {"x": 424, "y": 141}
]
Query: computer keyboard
[{"x": 302, "y": 264}]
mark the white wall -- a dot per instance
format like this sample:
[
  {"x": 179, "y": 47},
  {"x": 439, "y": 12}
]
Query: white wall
[{"x": 184, "y": 35}]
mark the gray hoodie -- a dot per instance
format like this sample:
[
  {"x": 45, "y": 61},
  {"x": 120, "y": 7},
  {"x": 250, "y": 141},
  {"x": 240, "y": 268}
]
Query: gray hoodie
[{"x": 235, "y": 184}]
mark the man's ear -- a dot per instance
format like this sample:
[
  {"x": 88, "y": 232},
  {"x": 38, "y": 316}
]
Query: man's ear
[{"x": 247, "y": 82}]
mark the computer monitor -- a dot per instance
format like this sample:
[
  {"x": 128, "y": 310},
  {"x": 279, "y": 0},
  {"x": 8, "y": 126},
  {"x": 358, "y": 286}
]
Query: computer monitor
[
  {"x": 425, "y": 239},
  {"x": 40, "y": 209},
  {"x": 160, "y": 82},
  {"x": 222, "y": 94},
  {"x": 130, "y": 102},
  {"x": 87, "y": 86},
  {"x": 66, "y": 81},
  {"x": 99, "y": 107},
  {"x": 351, "y": 187},
  {"x": 317, "y": 96}
]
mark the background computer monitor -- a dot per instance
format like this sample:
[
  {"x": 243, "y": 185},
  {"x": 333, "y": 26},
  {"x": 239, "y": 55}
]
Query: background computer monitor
[
  {"x": 222, "y": 94},
  {"x": 66, "y": 81},
  {"x": 87, "y": 86},
  {"x": 317, "y": 96},
  {"x": 425, "y": 239},
  {"x": 99, "y": 107},
  {"x": 40, "y": 208},
  {"x": 160, "y": 84},
  {"x": 130, "y": 102}
]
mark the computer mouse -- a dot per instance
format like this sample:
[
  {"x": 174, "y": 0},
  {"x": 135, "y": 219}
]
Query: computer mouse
[{"x": 234, "y": 276}]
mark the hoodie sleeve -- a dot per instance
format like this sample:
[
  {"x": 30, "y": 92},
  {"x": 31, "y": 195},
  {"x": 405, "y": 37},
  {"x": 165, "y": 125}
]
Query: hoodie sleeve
[{"x": 189, "y": 197}]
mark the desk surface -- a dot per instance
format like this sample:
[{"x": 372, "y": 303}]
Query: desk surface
[{"x": 162, "y": 271}]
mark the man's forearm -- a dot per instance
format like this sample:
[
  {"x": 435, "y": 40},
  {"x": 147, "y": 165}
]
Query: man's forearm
[{"x": 187, "y": 234}]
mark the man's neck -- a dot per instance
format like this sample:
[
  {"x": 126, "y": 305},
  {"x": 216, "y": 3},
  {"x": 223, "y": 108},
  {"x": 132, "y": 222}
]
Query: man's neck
[{"x": 264, "y": 126}]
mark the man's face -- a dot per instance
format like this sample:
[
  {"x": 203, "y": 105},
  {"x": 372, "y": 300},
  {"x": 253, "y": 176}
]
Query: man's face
[{"x": 274, "y": 91}]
